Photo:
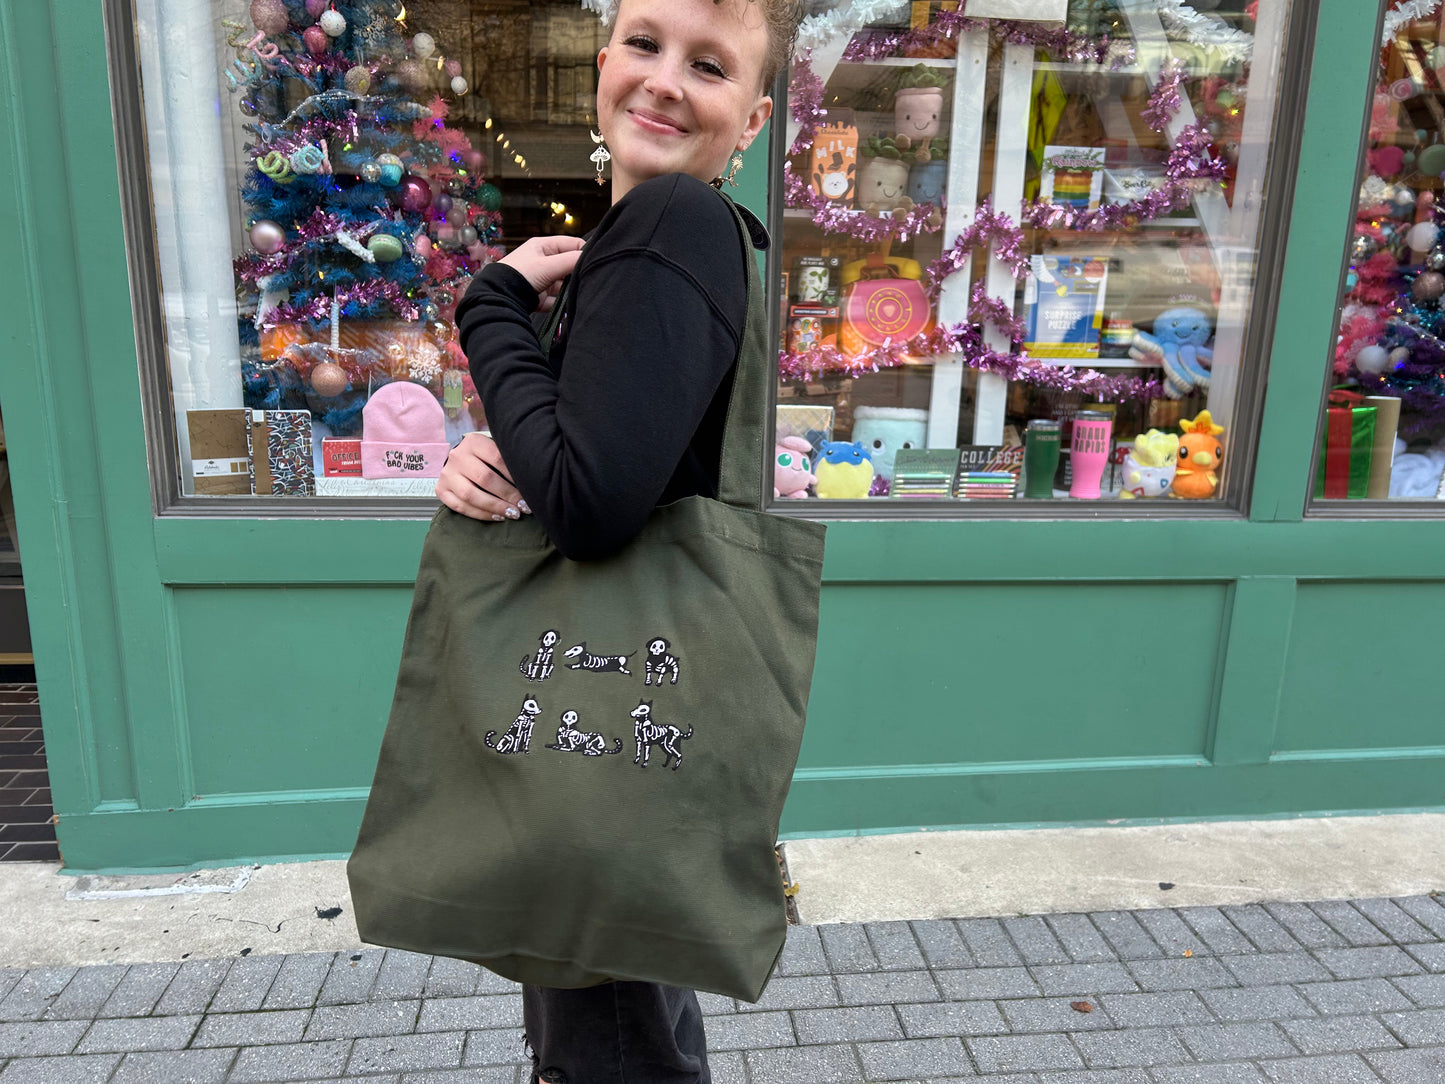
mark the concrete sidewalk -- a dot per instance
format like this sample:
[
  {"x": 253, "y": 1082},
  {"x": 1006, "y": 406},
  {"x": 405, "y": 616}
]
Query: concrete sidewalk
[
  {"x": 1166, "y": 954},
  {"x": 1325, "y": 993}
]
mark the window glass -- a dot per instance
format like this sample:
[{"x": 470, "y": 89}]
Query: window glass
[
  {"x": 326, "y": 176},
  {"x": 1383, "y": 429},
  {"x": 1018, "y": 250}
]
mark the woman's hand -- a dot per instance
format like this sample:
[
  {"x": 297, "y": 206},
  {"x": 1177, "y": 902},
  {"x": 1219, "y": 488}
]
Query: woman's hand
[
  {"x": 544, "y": 262},
  {"x": 476, "y": 483}
]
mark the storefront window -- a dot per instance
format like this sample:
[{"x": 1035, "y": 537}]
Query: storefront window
[
  {"x": 1383, "y": 429},
  {"x": 326, "y": 176},
  {"x": 1019, "y": 248}
]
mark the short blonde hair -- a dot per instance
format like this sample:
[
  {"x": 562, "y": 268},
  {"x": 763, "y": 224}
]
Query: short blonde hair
[{"x": 782, "y": 18}]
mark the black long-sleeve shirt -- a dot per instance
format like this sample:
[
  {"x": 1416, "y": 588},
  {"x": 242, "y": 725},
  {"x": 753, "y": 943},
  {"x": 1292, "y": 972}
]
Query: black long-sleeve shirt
[{"x": 627, "y": 410}]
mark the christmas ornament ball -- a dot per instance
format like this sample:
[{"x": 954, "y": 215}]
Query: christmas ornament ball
[
  {"x": 248, "y": 107},
  {"x": 453, "y": 67},
  {"x": 459, "y": 85},
  {"x": 1372, "y": 359},
  {"x": 457, "y": 213},
  {"x": 1432, "y": 159},
  {"x": 411, "y": 74},
  {"x": 328, "y": 379},
  {"x": 267, "y": 237},
  {"x": 370, "y": 172},
  {"x": 1435, "y": 261},
  {"x": 1390, "y": 160},
  {"x": 423, "y": 45},
  {"x": 333, "y": 22},
  {"x": 431, "y": 311},
  {"x": 415, "y": 193},
  {"x": 490, "y": 197},
  {"x": 467, "y": 236},
  {"x": 391, "y": 169},
  {"x": 473, "y": 159},
  {"x": 1362, "y": 248},
  {"x": 385, "y": 247},
  {"x": 314, "y": 8},
  {"x": 316, "y": 40},
  {"x": 422, "y": 245},
  {"x": 1428, "y": 286},
  {"x": 269, "y": 16},
  {"x": 1422, "y": 236},
  {"x": 455, "y": 186},
  {"x": 358, "y": 80},
  {"x": 1399, "y": 354},
  {"x": 442, "y": 203}
]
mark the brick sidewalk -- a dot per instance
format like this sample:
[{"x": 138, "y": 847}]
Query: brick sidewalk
[
  {"x": 27, "y": 833},
  {"x": 1324, "y": 993}
]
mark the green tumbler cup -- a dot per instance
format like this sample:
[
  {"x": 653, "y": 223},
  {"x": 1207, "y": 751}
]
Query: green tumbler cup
[{"x": 1041, "y": 457}]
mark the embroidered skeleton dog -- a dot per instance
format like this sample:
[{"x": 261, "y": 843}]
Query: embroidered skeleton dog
[
  {"x": 659, "y": 662},
  {"x": 538, "y": 667},
  {"x": 572, "y": 740},
  {"x": 597, "y": 664},
  {"x": 646, "y": 734},
  {"x": 518, "y": 738}
]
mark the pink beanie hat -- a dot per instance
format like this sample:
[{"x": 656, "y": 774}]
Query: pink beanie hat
[{"x": 403, "y": 433}]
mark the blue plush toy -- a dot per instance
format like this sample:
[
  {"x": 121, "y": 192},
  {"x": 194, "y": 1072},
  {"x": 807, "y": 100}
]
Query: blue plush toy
[
  {"x": 1178, "y": 345},
  {"x": 844, "y": 470},
  {"x": 884, "y": 430}
]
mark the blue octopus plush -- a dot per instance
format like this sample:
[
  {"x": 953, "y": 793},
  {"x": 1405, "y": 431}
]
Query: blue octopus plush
[{"x": 1178, "y": 345}]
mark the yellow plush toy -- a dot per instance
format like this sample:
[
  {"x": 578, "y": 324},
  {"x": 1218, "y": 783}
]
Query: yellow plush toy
[{"x": 1149, "y": 466}]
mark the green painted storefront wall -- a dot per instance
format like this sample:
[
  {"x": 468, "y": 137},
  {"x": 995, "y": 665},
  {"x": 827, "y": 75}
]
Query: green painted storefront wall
[{"x": 214, "y": 689}]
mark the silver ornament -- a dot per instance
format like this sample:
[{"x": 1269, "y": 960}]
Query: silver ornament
[
  {"x": 430, "y": 311},
  {"x": 370, "y": 172},
  {"x": 1436, "y": 261},
  {"x": 467, "y": 236}
]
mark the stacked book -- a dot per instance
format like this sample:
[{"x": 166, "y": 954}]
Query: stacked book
[
  {"x": 924, "y": 472},
  {"x": 988, "y": 472}
]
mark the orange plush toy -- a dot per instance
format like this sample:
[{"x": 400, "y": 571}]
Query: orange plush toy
[{"x": 1201, "y": 451}]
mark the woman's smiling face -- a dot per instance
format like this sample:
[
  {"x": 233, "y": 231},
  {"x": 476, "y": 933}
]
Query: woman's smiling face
[{"x": 679, "y": 87}]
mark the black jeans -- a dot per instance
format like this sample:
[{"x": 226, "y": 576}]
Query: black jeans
[{"x": 616, "y": 1033}]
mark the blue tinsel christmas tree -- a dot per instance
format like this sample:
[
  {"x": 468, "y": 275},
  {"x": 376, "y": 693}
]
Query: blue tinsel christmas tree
[{"x": 361, "y": 204}]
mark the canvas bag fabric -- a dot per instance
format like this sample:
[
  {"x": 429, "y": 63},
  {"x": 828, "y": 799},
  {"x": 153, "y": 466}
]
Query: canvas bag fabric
[{"x": 495, "y": 833}]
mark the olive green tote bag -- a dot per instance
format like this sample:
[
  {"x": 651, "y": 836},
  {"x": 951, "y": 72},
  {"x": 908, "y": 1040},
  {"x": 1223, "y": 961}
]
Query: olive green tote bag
[{"x": 585, "y": 763}]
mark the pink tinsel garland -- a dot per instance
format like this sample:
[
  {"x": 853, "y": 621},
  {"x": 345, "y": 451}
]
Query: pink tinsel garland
[
  {"x": 966, "y": 341},
  {"x": 989, "y": 228},
  {"x": 1057, "y": 40},
  {"x": 832, "y": 217},
  {"x": 805, "y": 93},
  {"x": 367, "y": 293},
  {"x": 1165, "y": 99}
]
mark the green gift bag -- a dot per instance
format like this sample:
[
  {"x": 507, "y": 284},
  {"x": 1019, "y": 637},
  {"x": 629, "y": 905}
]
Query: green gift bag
[{"x": 585, "y": 764}]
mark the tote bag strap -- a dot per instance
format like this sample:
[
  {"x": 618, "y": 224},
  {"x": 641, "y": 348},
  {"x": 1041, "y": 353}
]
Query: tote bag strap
[
  {"x": 741, "y": 473},
  {"x": 740, "y": 480}
]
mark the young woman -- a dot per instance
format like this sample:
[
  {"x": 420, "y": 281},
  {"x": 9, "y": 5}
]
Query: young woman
[{"x": 626, "y": 410}]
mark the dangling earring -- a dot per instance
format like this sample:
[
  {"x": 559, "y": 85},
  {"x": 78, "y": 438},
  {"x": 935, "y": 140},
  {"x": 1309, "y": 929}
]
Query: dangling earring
[
  {"x": 601, "y": 155},
  {"x": 734, "y": 166}
]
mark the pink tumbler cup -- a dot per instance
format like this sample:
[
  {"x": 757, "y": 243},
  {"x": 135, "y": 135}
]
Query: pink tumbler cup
[{"x": 1089, "y": 452}]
